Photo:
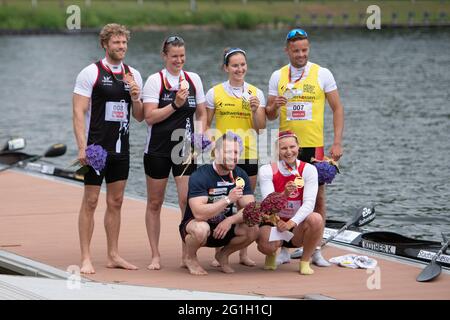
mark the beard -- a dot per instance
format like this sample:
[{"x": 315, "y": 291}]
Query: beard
[
  {"x": 228, "y": 165},
  {"x": 117, "y": 55}
]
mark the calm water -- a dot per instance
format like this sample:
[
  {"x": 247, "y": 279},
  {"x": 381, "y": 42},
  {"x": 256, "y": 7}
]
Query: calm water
[{"x": 393, "y": 84}]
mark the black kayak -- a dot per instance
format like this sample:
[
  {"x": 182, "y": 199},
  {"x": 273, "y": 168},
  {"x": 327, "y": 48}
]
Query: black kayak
[
  {"x": 19, "y": 159},
  {"x": 389, "y": 243}
]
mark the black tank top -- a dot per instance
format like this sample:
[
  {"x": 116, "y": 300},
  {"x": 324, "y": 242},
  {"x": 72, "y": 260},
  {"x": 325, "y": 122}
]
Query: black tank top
[
  {"x": 110, "y": 112},
  {"x": 160, "y": 134}
]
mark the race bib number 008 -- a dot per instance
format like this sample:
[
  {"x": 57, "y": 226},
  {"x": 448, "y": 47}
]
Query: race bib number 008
[
  {"x": 299, "y": 111},
  {"x": 116, "y": 111}
]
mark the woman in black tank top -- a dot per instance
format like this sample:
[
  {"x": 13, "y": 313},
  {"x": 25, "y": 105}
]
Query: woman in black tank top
[{"x": 170, "y": 126}]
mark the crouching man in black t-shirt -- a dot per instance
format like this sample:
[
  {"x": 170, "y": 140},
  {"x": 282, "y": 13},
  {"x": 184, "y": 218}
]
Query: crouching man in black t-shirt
[{"x": 209, "y": 220}]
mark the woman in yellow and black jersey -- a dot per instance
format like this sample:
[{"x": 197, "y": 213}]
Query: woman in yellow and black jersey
[{"x": 238, "y": 106}]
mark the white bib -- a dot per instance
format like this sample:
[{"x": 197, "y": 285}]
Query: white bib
[
  {"x": 116, "y": 111},
  {"x": 299, "y": 110}
]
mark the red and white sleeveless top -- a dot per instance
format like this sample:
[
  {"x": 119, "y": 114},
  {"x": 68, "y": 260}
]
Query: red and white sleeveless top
[{"x": 295, "y": 199}]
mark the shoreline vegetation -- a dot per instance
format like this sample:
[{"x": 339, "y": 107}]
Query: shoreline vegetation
[{"x": 45, "y": 16}]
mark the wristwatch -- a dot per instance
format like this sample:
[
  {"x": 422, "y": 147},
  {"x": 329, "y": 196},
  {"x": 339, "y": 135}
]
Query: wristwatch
[
  {"x": 174, "y": 106},
  {"x": 227, "y": 200}
]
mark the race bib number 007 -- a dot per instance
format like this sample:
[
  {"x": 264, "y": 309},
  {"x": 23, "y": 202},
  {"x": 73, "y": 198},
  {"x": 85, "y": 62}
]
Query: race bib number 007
[
  {"x": 116, "y": 111},
  {"x": 299, "y": 111}
]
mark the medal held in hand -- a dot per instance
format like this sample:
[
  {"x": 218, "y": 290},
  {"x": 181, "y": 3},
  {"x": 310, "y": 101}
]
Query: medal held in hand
[
  {"x": 240, "y": 182},
  {"x": 184, "y": 84},
  {"x": 289, "y": 93},
  {"x": 128, "y": 78},
  {"x": 299, "y": 182},
  {"x": 246, "y": 96}
]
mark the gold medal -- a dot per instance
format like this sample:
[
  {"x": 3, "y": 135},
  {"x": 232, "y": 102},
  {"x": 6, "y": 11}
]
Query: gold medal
[
  {"x": 299, "y": 182},
  {"x": 184, "y": 84},
  {"x": 288, "y": 94},
  {"x": 128, "y": 78},
  {"x": 240, "y": 183}
]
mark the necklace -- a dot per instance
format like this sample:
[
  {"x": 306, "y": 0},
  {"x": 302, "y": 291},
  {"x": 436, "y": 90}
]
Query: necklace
[{"x": 230, "y": 174}]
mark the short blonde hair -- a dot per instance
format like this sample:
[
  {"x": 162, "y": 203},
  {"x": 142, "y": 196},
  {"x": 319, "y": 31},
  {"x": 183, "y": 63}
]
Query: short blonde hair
[{"x": 113, "y": 29}]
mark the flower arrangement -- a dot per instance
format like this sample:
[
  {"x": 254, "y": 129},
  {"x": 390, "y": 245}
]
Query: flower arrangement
[
  {"x": 252, "y": 214},
  {"x": 326, "y": 169},
  {"x": 201, "y": 144},
  {"x": 95, "y": 157},
  {"x": 266, "y": 212}
]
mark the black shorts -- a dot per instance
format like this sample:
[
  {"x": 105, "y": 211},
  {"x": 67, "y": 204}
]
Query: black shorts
[
  {"x": 116, "y": 169},
  {"x": 250, "y": 166},
  {"x": 211, "y": 242},
  {"x": 306, "y": 154},
  {"x": 157, "y": 167}
]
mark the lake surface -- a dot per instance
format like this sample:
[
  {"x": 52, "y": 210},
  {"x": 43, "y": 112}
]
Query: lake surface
[{"x": 394, "y": 85}]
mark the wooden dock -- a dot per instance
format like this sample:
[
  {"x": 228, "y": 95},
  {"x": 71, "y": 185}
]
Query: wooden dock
[{"x": 38, "y": 220}]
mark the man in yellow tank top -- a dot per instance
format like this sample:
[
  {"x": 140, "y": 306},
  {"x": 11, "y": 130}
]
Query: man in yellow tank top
[{"x": 297, "y": 94}]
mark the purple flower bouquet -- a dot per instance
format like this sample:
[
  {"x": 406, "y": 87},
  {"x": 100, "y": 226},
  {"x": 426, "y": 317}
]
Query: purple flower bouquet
[
  {"x": 201, "y": 144},
  {"x": 95, "y": 157},
  {"x": 326, "y": 169}
]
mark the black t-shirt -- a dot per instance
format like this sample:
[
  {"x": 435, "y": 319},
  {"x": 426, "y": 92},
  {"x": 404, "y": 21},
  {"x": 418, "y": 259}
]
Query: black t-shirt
[{"x": 205, "y": 181}]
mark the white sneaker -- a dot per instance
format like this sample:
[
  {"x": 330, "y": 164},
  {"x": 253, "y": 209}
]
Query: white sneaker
[
  {"x": 318, "y": 260},
  {"x": 283, "y": 257},
  {"x": 297, "y": 254}
]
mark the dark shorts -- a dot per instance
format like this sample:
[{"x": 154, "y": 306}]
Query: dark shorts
[
  {"x": 306, "y": 154},
  {"x": 211, "y": 242},
  {"x": 157, "y": 167},
  {"x": 250, "y": 166},
  {"x": 116, "y": 169}
]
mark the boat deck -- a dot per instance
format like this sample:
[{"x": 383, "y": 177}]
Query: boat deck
[{"x": 38, "y": 220}]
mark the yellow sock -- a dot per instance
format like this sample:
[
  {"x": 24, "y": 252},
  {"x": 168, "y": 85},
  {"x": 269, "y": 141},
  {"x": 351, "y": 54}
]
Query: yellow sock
[
  {"x": 271, "y": 262},
  {"x": 305, "y": 268}
]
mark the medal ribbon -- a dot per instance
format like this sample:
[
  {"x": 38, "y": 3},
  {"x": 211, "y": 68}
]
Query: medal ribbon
[
  {"x": 167, "y": 84},
  {"x": 230, "y": 174},
  {"x": 291, "y": 171},
  {"x": 301, "y": 76}
]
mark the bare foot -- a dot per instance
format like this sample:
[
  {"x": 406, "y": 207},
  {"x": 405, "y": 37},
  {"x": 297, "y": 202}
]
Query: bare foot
[
  {"x": 223, "y": 261},
  {"x": 155, "y": 264},
  {"x": 215, "y": 263},
  {"x": 246, "y": 261},
  {"x": 194, "y": 267},
  {"x": 87, "y": 267},
  {"x": 120, "y": 263}
]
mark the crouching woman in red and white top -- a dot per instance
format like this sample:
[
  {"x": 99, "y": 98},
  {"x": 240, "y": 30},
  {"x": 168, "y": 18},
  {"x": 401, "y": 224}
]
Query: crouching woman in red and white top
[{"x": 298, "y": 181}]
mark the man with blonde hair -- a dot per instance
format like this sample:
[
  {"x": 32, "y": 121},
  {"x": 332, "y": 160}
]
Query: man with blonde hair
[{"x": 105, "y": 92}]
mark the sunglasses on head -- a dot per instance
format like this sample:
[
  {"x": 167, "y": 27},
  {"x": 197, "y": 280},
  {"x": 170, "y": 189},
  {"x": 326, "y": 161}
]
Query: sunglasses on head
[
  {"x": 172, "y": 39},
  {"x": 300, "y": 33}
]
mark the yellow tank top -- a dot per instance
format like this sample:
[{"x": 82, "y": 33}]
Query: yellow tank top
[
  {"x": 234, "y": 114},
  {"x": 304, "y": 112}
]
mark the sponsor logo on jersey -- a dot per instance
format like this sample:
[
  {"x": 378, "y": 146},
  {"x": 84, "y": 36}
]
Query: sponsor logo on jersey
[
  {"x": 216, "y": 191},
  {"x": 106, "y": 81},
  {"x": 191, "y": 101},
  {"x": 166, "y": 97}
]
